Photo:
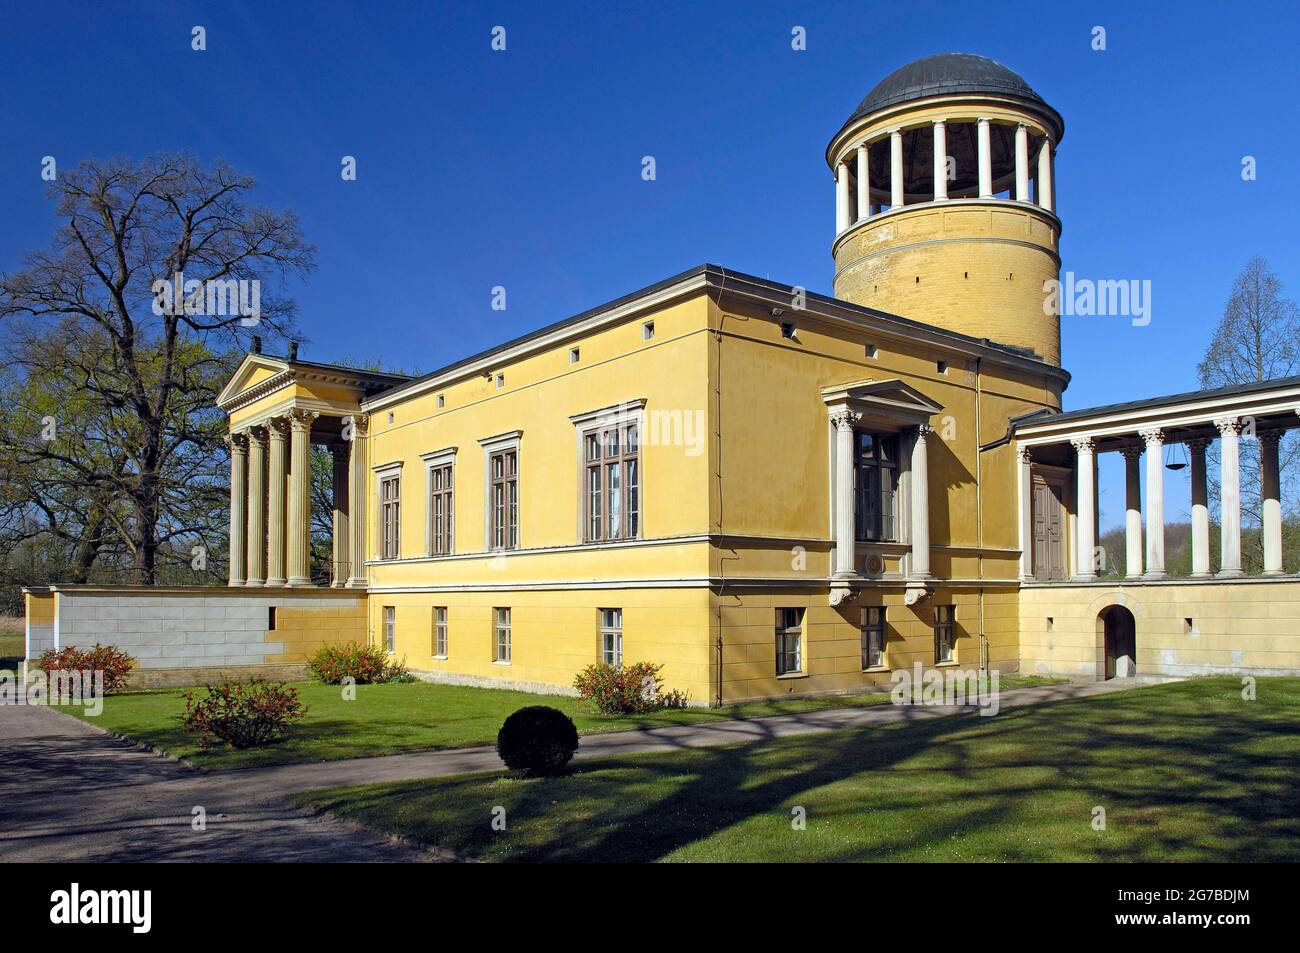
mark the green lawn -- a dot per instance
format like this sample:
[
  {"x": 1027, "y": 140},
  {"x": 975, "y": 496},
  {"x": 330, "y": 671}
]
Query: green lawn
[
  {"x": 12, "y": 647},
  {"x": 386, "y": 719},
  {"x": 1185, "y": 771}
]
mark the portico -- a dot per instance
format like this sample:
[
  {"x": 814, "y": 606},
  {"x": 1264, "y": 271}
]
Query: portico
[
  {"x": 279, "y": 408},
  {"x": 1141, "y": 431}
]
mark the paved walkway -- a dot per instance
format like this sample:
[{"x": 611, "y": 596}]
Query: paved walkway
[{"x": 70, "y": 792}]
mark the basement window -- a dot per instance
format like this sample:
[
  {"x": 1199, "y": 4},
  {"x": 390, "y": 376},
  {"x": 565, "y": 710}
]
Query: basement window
[
  {"x": 270, "y": 618},
  {"x": 1051, "y": 624},
  {"x": 1188, "y": 627}
]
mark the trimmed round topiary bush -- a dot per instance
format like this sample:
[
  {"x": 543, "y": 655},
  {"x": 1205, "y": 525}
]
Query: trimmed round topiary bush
[{"x": 537, "y": 740}]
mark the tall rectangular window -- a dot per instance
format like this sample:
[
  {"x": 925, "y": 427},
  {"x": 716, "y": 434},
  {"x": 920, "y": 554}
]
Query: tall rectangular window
[
  {"x": 390, "y": 628},
  {"x": 440, "y": 632},
  {"x": 876, "y": 476},
  {"x": 873, "y": 637},
  {"x": 441, "y": 510},
  {"x": 390, "y": 504},
  {"x": 501, "y": 642},
  {"x": 503, "y": 471},
  {"x": 612, "y": 482},
  {"x": 611, "y": 637},
  {"x": 789, "y": 641},
  {"x": 945, "y": 633}
]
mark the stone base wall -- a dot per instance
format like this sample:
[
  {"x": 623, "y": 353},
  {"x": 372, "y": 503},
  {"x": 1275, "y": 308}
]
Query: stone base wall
[
  {"x": 198, "y": 628},
  {"x": 1182, "y": 628}
]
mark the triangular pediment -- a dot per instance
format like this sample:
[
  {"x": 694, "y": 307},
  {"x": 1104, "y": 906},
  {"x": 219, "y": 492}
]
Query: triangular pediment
[
  {"x": 253, "y": 370},
  {"x": 883, "y": 396}
]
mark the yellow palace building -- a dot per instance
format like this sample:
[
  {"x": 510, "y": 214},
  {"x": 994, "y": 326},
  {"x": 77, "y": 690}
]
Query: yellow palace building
[{"x": 768, "y": 491}]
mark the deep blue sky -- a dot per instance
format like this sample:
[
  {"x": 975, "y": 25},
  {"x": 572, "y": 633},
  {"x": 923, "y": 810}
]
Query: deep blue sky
[{"x": 522, "y": 168}]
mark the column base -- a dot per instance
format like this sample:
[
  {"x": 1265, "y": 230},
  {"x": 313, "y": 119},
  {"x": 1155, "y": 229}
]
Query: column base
[
  {"x": 298, "y": 582},
  {"x": 254, "y": 584},
  {"x": 1228, "y": 574},
  {"x": 276, "y": 582},
  {"x": 1205, "y": 574},
  {"x": 1132, "y": 575},
  {"x": 357, "y": 582},
  {"x": 1273, "y": 572},
  {"x": 1084, "y": 577},
  {"x": 236, "y": 583}
]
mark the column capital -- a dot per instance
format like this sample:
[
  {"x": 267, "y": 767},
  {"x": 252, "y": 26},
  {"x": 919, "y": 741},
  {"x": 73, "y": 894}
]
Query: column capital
[
  {"x": 898, "y": 131},
  {"x": 360, "y": 423},
  {"x": 1083, "y": 444},
  {"x": 863, "y": 146},
  {"x": 984, "y": 120},
  {"x": 237, "y": 440},
  {"x": 1023, "y": 455},
  {"x": 938, "y": 122},
  {"x": 1132, "y": 452},
  {"x": 257, "y": 434},
  {"x": 1152, "y": 435},
  {"x": 279, "y": 427},
  {"x": 844, "y": 419},
  {"x": 1198, "y": 444},
  {"x": 1230, "y": 424},
  {"x": 1270, "y": 437},
  {"x": 300, "y": 419},
  {"x": 924, "y": 430}
]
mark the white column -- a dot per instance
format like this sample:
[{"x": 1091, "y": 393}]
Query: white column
[
  {"x": 341, "y": 537},
  {"x": 1229, "y": 495},
  {"x": 1200, "y": 510},
  {"x": 298, "y": 538},
  {"x": 985, "y": 159},
  {"x": 238, "y": 515},
  {"x": 1025, "y": 492},
  {"x": 920, "y": 472},
  {"x": 896, "y": 197},
  {"x": 256, "y": 507},
  {"x": 1132, "y": 512},
  {"x": 355, "y": 433},
  {"x": 845, "y": 542},
  {"x": 1155, "y": 443},
  {"x": 277, "y": 477},
  {"x": 841, "y": 197},
  {"x": 1022, "y": 163},
  {"x": 940, "y": 160},
  {"x": 1270, "y": 490},
  {"x": 1085, "y": 481},
  {"x": 864, "y": 182},
  {"x": 1045, "y": 193}
]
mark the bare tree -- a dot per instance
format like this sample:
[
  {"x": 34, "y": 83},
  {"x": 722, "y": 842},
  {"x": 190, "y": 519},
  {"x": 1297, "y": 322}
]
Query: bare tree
[
  {"x": 130, "y": 233},
  {"x": 1258, "y": 339}
]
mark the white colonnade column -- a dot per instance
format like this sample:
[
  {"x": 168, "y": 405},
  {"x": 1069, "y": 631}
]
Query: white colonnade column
[{"x": 1086, "y": 524}]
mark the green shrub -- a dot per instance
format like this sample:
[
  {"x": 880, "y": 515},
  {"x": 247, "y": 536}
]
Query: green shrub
[
  {"x": 364, "y": 664},
  {"x": 537, "y": 740},
  {"x": 112, "y": 661},
  {"x": 242, "y": 715},
  {"x": 627, "y": 690}
]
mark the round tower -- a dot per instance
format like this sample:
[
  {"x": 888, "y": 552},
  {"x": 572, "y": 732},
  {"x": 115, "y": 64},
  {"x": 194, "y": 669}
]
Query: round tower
[{"x": 944, "y": 201}]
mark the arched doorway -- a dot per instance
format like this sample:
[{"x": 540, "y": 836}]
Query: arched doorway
[{"x": 1120, "y": 641}]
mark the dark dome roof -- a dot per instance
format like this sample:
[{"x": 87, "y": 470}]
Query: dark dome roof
[{"x": 945, "y": 74}]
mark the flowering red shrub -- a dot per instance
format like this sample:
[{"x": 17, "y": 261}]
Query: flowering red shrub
[
  {"x": 631, "y": 689},
  {"x": 113, "y": 662},
  {"x": 243, "y": 715},
  {"x": 365, "y": 664}
]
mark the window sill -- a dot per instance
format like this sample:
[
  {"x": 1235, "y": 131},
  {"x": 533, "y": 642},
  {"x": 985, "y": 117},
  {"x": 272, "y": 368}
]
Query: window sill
[
  {"x": 438, "y": 658},
  {"x": 500, "y": 662},
  {"x": 792, "y": 675},
  {"x": 877, "y": 670},
  {"x": 951, "y": 663}
]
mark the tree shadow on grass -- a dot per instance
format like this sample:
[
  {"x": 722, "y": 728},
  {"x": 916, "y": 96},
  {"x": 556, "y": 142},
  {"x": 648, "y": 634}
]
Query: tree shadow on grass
[{"x": 1181, "y": 775}]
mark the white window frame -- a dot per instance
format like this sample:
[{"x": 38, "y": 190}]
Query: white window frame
[
  {"x": 611, "y": 630},
  {"x": 441, "y": 632},
  {"x": 388, "y": 471},
  {"x": 868, "y": 628},
  {"x": 948, "y": 625},
  {"x": 436, "y": 460},
  {"x": 618, "y": 415},
  {"x": 500, "y": 613},
  {"x": 783, "y": 633},
  {"x": 390, "y": 629},
  {"x": 501, "y": 443}
]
